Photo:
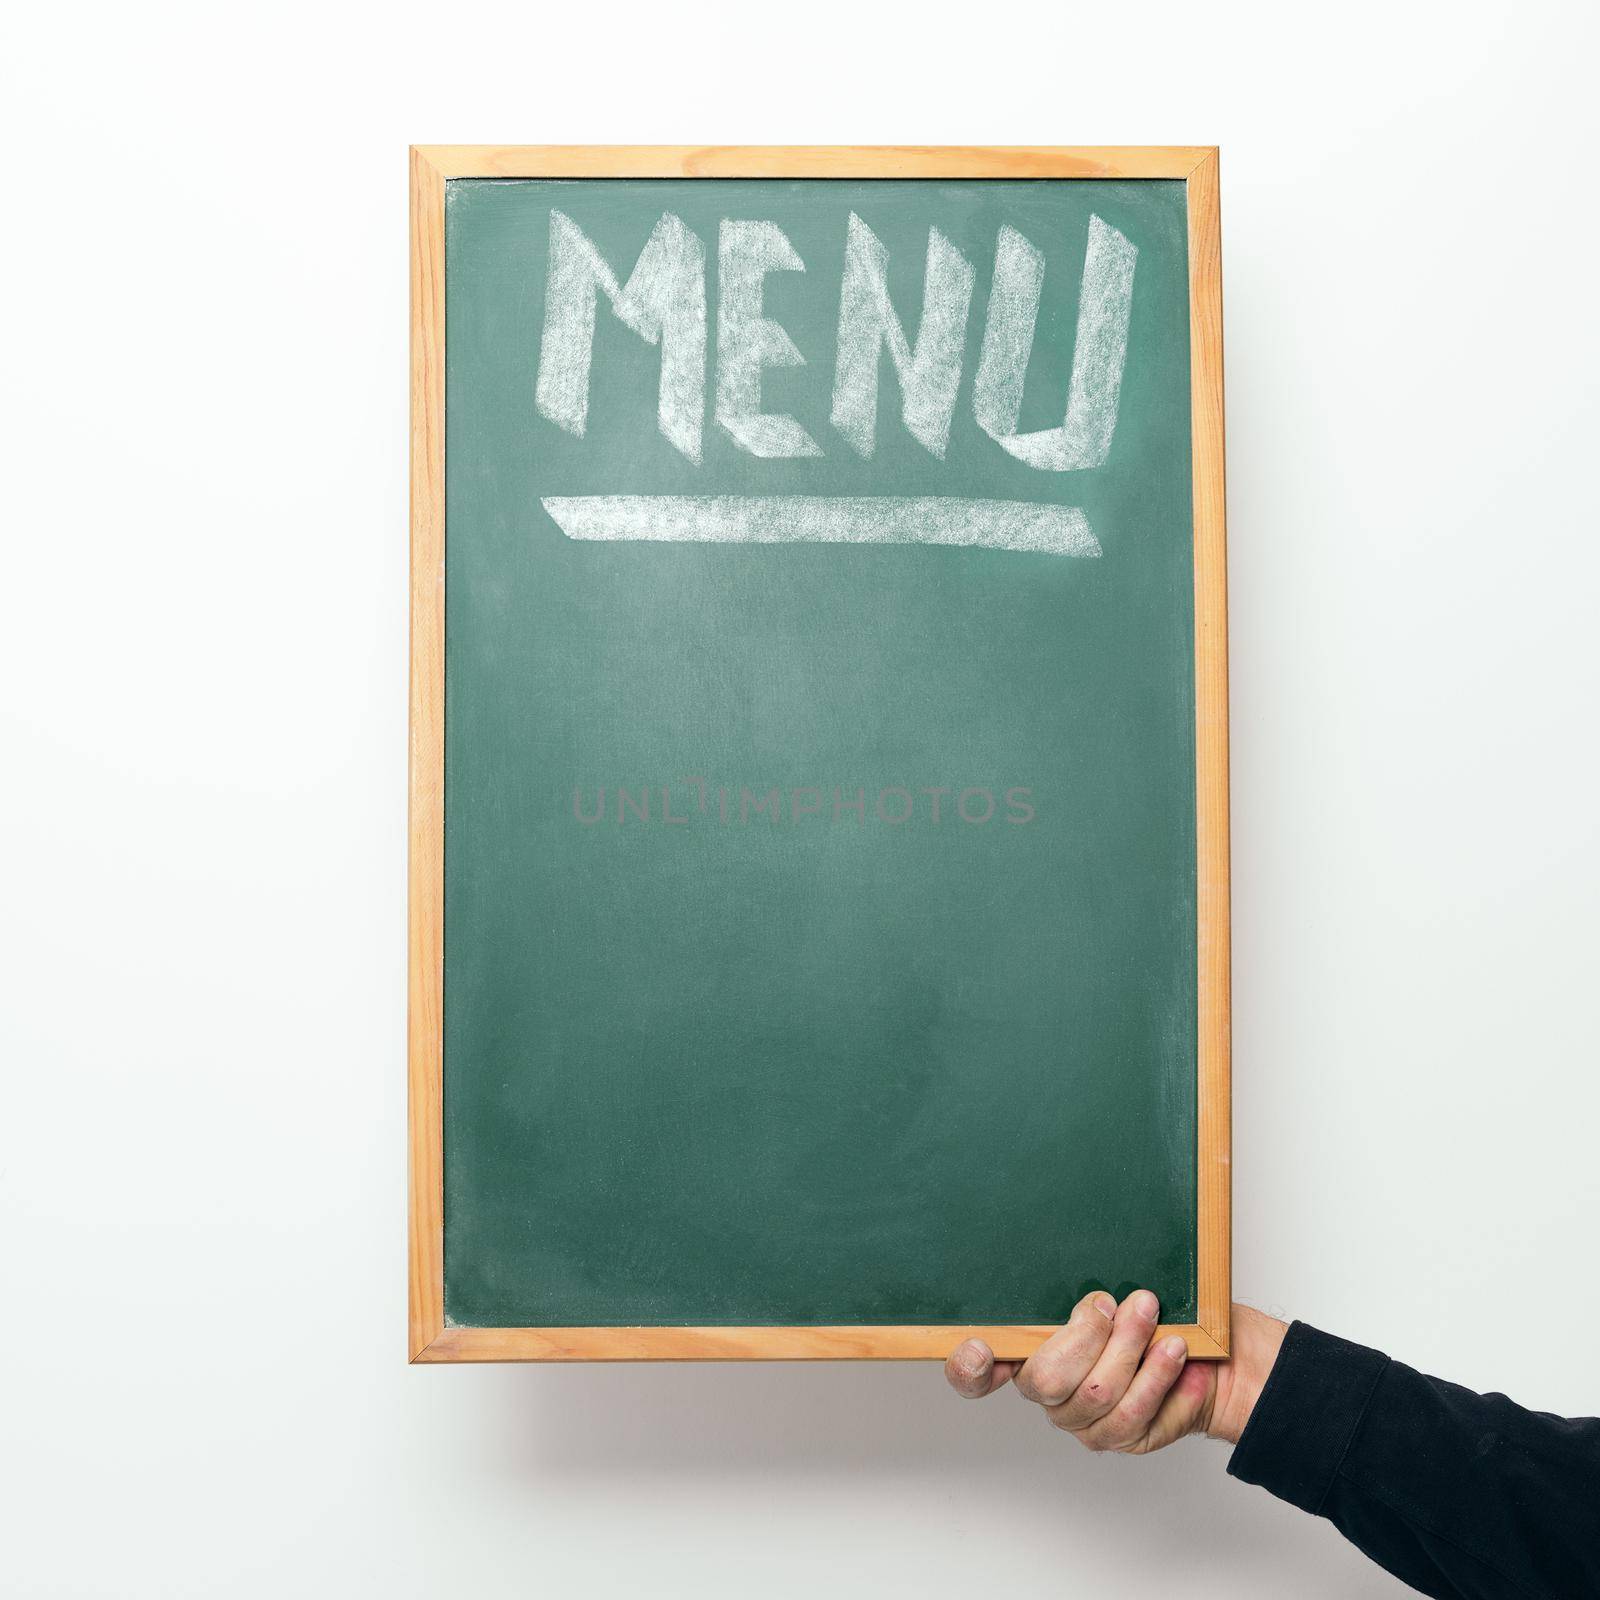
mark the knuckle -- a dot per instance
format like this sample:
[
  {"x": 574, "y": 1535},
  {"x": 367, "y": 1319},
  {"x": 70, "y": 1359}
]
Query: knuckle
[
  {"x": 1094, "y": 1399},
  {"x": 1048, "y": 1377},
  {"x": 1057, "y": 1368},
  {"x": 1137, "y": 1412},
  {"x": 1074, "y": 1415},
  {"x": 1078, "y": 1351},
  {"x": 1116, "y": 1431},
  {"x": 1123, "y": 1359},
  {"x": 1126, "y": 1423}
]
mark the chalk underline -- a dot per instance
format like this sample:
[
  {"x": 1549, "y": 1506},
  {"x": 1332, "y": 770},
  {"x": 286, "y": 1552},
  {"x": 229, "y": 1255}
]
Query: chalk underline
[{"x": 826, "y": 519}]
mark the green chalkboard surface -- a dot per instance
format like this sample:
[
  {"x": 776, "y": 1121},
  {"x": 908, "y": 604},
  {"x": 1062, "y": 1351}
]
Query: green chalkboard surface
[{"x": 820, "y": 850}]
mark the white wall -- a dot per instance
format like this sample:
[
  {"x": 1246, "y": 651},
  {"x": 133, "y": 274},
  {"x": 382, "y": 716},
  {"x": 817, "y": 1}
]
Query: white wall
[{"x": 203, "y": 652}]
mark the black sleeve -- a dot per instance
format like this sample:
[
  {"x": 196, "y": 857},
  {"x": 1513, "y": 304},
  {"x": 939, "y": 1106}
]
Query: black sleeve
[{"x": 1459, "y": 1494}]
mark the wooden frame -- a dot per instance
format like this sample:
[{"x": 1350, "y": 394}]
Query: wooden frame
[{"x": 431, "y": 166}]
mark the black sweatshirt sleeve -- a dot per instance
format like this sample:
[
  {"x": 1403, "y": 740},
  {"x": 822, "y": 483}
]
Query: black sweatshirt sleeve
[{"x": 1459, "y": 1494}]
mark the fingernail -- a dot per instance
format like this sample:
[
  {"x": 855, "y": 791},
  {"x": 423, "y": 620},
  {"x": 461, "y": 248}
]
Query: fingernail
[
  {"x": 1175, "y": 1347},
  {"x": 1106, "y": 1306},
  {"x": 1145, "y": 1305}
]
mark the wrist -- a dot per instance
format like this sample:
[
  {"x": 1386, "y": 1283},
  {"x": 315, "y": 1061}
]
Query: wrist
[{"x": 1256, "y": 1340}]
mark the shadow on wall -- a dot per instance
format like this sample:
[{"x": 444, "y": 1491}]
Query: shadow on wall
[{"x": 991, "y": 1469}]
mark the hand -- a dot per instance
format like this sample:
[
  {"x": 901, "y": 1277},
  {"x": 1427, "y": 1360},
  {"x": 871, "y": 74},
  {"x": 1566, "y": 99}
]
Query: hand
[{"x": 1101, "y": 1379}]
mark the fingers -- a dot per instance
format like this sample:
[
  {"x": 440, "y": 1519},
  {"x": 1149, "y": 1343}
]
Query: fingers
[
  {"x": 1185, "y": 1409},
  {"x": 973, "y": 1372},
  {"x": 1103, "y": 1386},
  {"x": 1053, "y": 1372},
  {"x": 1100, "y": 1378},
  {"x": 1129, "y": 1422}
]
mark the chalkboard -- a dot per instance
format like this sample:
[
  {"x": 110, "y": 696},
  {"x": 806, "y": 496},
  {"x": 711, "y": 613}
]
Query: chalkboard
[{"x": 821, "y": 877}]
